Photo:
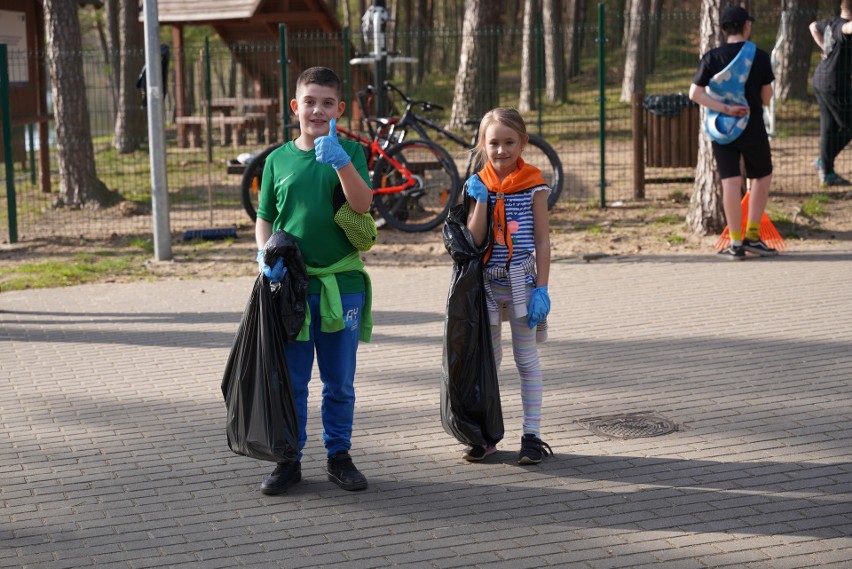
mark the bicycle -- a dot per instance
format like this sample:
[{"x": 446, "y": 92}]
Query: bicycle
[
  {"x": 537, "y": 153},
  {"x": 415, "y": 182}
]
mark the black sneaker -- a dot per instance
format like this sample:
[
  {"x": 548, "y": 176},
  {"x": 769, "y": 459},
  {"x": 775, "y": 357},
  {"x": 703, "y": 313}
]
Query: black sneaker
[
  {"x": 342, "y": 472},
  {"x": 533, "y": 449},
  {"x": 827, "y": 180},
  {"x": 733, "y": 252},
  {"x": 475, "y": 453},
  {"x": 285, "y": 475},
  {"x": 758, "y": 247}
]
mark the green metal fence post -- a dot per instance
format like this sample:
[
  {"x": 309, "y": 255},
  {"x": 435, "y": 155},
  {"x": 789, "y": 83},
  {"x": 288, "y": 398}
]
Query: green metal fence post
[
  {"x": 208, "y": 94},
  {"x": 282, "y": 57},
  {"x": 6, "y": 109},
  {"x": 31, "y": 137},
  {"x": 602, "y": 99}
]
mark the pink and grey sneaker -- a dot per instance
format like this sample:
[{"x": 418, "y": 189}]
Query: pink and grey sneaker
[{"x": 478, "y": 452}]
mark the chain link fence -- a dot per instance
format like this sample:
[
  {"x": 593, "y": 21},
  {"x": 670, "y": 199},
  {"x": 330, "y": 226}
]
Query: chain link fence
[{"x": 210, "y": 128}]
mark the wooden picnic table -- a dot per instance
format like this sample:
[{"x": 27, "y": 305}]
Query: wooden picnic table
[{"x": 261, "y": 110}]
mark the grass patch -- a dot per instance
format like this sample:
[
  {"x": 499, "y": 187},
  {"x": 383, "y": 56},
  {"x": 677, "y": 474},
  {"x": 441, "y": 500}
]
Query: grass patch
[
  {"x": 595, "y": 230},
  {"x": 669, "y": 220},
  {"x": 675, "y": 239},
  {"x": 80, "y": 269},
  {"x": 146, "y": 244},
  {"x": 814, "y": 205}
]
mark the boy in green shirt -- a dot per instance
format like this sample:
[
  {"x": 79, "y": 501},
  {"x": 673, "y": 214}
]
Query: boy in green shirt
[{"x": 297, "y": 188}]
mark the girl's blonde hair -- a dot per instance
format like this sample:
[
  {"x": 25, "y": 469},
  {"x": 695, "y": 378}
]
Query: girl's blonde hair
[{"x": 507, "y": 117}]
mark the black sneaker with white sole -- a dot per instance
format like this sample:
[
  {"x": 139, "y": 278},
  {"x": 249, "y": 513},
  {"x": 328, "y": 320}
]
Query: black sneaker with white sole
[
  {"x": 533, "y": 449},
  {"x": 758, "y": 247},
  {"x": 733, "y": 252}
]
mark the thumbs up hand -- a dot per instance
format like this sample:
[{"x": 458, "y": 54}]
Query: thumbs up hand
[{"x": 328, "y": 148}]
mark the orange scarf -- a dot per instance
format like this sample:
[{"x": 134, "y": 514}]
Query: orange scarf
[{"x": 523, "y": 178}]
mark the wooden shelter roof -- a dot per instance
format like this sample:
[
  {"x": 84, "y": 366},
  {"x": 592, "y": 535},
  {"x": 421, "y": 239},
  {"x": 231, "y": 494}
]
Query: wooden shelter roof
[{"x": 250, "y": 20}]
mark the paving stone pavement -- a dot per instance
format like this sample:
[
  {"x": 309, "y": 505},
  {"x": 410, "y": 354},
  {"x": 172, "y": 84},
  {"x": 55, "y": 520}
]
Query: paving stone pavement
[{"x": 114, "y": 453}]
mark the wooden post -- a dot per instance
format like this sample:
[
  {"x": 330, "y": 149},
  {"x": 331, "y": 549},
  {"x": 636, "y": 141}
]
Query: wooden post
[
  {"x": 638, "y": 146},
  {"x": 180, "y": 88}
]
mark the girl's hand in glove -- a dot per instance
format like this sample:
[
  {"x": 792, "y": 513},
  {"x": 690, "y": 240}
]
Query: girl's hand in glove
[
  {"x": 539, "y": 306},
  {"x": 476, "y": 189}
]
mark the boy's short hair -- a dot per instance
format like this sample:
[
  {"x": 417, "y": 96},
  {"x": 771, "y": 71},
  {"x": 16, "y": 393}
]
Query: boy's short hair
[
  {"x": 319, "y": 76},
  {"x": 733, "y": 19}
]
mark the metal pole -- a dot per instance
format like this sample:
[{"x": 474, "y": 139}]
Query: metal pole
[
  {"x": 31, "y": 138},
  {"x": 208, "y": 95},
  {"x": 6, "y": 109},
  {"x": 156, "y": 136},
  {"x": 380, "y": 55},
  {"x": 602, "y": 99}
]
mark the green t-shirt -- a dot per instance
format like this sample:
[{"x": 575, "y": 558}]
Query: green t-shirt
[{"x": 296, "y": 196}]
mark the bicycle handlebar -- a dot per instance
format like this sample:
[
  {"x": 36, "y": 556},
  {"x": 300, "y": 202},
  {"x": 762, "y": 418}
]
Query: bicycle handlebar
[{"x": 425, "y": 105}]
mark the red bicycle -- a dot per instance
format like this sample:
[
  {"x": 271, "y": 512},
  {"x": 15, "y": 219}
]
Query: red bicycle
[{"x": 415, "y": 182}]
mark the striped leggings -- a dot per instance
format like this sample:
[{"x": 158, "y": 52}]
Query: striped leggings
[{"x": 526, "y": 358}]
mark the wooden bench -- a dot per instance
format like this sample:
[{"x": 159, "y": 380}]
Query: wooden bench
[{"x": 195, "y": 124}]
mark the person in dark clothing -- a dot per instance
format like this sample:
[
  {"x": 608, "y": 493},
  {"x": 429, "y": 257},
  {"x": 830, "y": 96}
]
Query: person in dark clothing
[
  {"x": 752, "y": 144},
  {"x": 833, "y": 91}
]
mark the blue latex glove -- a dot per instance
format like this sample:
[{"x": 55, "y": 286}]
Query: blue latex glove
[
  {"x": 539, "y": 306},
  {"x": 276, "y": 273},
  {"x": 476, "y": 189},
  {"x": 328, "y": 148}
]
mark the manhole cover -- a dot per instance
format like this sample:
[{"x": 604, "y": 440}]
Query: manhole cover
[{"x": 630, "y": 426}]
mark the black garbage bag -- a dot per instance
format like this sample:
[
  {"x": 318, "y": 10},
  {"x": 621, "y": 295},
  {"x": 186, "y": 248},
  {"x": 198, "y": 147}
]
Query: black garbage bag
[
  {"x": 258, "y": 394},
  {"x": 668, "y": 105},
  {"x": 470, "y": 393},
  {"x": 291, "y": 295}
]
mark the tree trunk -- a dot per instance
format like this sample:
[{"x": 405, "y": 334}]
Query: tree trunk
[
  {"x": 652, "y": 39},
  {"x": 705, "y": 215},
  {"x": 78, "y": 182},
  {"x": 576, "y": 36},
  {"x": 794, "y": 50},
  {"x": 525, "y": 99},
  {"x": 111, "y": 47},
  {"x": 475, "y": 87},
  {"x": 634, "y": 57},
  {"x": 424, "y": 20},
  {"x": 130, "y": 120},
  {"x": 554, "y": 64}
]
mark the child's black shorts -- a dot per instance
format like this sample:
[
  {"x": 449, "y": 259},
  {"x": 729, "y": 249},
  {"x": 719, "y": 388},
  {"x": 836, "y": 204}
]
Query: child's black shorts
[{"x": 753, "y": 147}]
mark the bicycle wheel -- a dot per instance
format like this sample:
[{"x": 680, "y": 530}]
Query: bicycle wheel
[
  {"x": 541, "y": 155},
  {"x": 250, "y": 187},
  {"x": 432, "y": 185}
]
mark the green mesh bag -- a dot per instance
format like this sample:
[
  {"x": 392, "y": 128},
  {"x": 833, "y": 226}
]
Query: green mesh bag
[{"x": 359, "y": 228}]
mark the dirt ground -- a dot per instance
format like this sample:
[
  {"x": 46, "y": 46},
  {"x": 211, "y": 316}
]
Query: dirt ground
[{"x": 578, "y": 231}]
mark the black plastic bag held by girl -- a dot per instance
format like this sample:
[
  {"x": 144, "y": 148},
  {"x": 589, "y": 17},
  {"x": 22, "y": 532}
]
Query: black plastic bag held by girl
[
  {"x": 470, "y": 394},
  {"x": 261, "y": 420}
]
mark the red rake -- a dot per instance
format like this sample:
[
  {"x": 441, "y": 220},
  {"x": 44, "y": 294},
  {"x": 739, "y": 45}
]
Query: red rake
[{"x": 768, "y": 233}]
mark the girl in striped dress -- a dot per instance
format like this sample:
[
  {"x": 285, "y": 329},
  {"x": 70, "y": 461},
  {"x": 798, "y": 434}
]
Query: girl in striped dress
[{"x": 517, "y": 265}]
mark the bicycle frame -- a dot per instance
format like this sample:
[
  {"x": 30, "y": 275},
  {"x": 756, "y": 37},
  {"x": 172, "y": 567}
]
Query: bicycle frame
[{"x": 377, "y": 150}]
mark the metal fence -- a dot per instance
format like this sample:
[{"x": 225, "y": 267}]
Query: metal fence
[{"x": 594, "y": 136}]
